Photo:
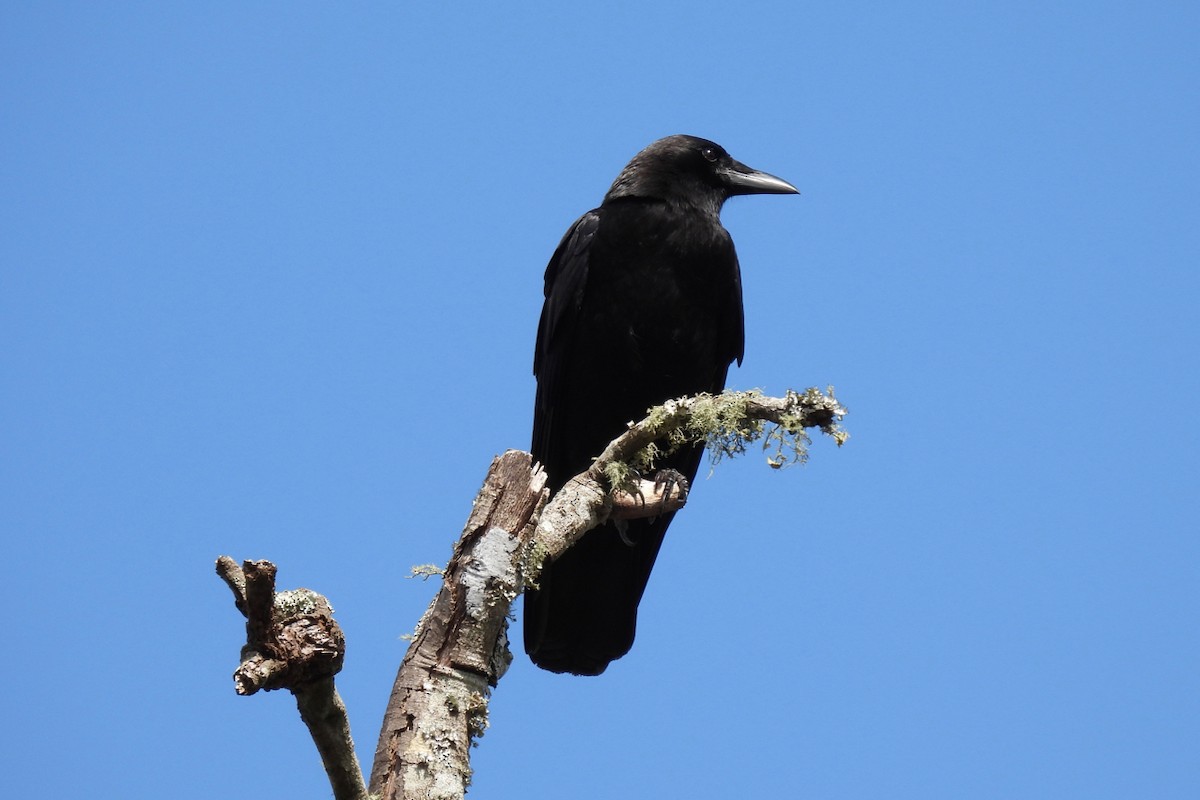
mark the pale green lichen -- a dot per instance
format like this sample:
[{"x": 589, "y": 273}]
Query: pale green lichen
[
  {"x": 623, "y": 477},
  {"x": 477, "y": 717},
  {"x": 425, "y": 571},
  {"x": 724, "y": 425},
  {"x": 832, "y": 429},
  {"x": 787, "y": 441},
  {"x": 534, "y": 560},
  {"x": 297, "y": 603}
]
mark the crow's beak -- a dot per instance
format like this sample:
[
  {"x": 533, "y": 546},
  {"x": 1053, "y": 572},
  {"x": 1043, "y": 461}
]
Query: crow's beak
[{"x": 742, "y": 180}]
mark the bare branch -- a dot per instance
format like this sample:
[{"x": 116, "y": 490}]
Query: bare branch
[
  {"x": 439, "y": 702},
  {"x": 460, "y": 650},
  {"x": 324, "y": 713},
  {"x": 235, "y": 579},
  {"x": 293, "y": 642},
  {"x": 651, "y": 499}
]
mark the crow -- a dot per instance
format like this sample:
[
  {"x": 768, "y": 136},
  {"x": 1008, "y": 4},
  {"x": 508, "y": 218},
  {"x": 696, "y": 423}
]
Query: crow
[{"x": 643, "y": 304}]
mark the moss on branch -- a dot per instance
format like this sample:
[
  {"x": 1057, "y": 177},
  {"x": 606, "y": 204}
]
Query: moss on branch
[{"x": 724, "y": 423}]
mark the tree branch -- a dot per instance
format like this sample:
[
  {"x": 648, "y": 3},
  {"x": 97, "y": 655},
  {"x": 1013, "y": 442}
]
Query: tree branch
[
  {"x": 293, "y": 642},
  {"x": 439, "y": 703},
  {"x": 726, "y": 423},
  {"x": 460, "y": 650}
]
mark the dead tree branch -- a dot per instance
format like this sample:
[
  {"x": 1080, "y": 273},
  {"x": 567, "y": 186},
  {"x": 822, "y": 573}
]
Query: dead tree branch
[
  {"x": 726, "y": 423},
  {"x": 439, "y": 702},
  {"x": 293, "y": 643}
]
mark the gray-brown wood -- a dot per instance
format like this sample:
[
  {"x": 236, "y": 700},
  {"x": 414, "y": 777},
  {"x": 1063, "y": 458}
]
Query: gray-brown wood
[
  {"x": 460, "y": 650},
  {"x": 294, "y": 643},
  {"x": 439, "y": 702}
]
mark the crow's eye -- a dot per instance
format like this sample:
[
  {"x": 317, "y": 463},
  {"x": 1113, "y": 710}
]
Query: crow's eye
[{"x": 710, "y": 154}]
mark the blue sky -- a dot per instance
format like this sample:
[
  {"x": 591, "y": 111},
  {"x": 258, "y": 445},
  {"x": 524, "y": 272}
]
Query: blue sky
[{"x": 269, "y": 281}]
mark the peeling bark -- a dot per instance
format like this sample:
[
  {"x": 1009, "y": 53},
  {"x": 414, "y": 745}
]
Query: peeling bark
[{"x": 439, "y": 701}]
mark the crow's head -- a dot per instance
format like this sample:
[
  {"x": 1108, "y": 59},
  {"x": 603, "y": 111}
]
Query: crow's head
[{"x": 692, "y": 171}]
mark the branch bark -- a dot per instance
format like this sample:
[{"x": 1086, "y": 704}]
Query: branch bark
[
  {"x": 293, "y": 642},
  {"x": 726, "y": 422},
  {"x": 439, "y": 702}
]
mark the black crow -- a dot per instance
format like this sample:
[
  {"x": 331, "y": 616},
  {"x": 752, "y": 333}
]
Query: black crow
[{"x": 643, "y": 304}]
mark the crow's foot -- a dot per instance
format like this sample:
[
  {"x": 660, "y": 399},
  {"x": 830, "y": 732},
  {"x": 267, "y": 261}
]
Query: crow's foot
[{"x": 666, "y": 483}]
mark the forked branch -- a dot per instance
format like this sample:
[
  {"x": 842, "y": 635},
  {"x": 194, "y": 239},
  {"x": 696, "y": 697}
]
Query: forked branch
[{"x": 439, "y": 703}]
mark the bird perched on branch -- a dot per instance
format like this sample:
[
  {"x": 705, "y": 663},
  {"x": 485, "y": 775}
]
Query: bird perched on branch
[{"x": 643, "y": 304}]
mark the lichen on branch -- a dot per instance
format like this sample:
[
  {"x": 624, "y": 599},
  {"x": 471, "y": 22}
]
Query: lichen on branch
[
  {"x": 725, "y": 424},
  {"x": 460, "y": 650}
]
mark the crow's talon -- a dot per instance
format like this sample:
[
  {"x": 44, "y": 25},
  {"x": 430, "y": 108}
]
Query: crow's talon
[
  {"x": 622, "y": 527},
  {"x": 665, "y": 484}
]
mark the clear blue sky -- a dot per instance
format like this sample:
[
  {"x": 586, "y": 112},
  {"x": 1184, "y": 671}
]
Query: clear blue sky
[{"x": 269, "y": 280}]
